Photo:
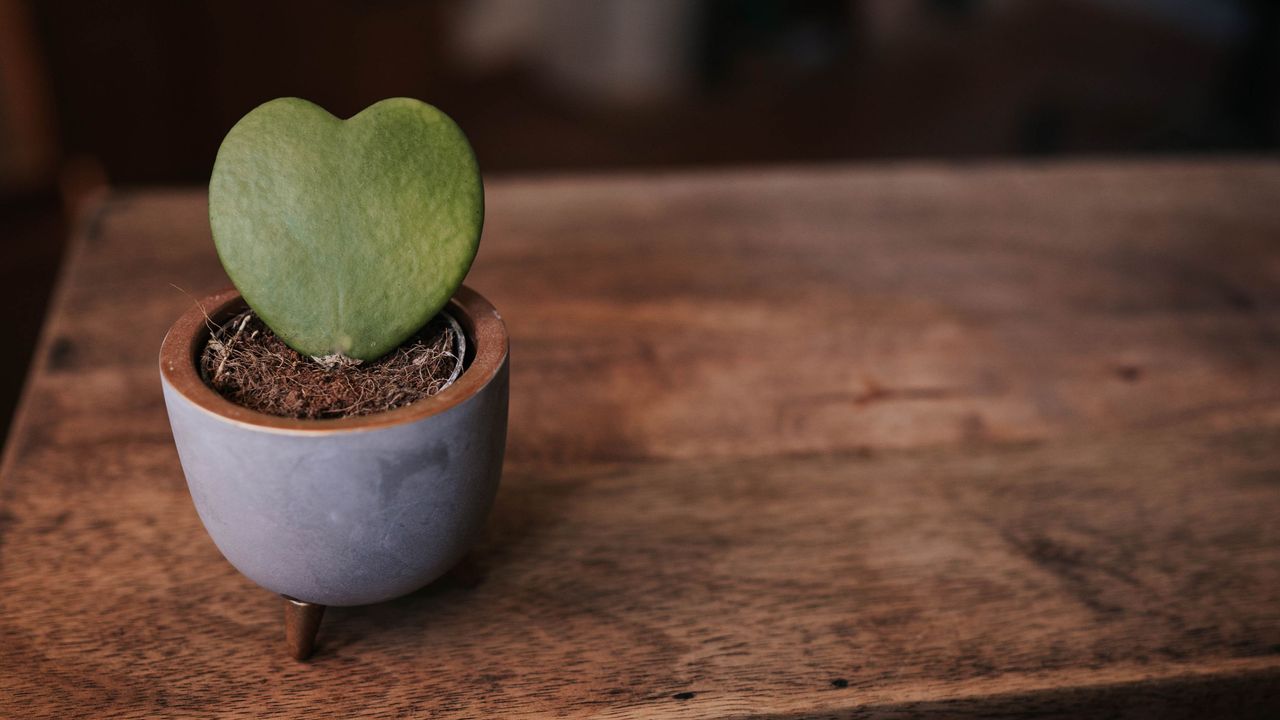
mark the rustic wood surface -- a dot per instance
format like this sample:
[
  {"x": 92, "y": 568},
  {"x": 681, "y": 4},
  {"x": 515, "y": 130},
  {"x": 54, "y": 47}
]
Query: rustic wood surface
[{"x": 840, "y": 442}]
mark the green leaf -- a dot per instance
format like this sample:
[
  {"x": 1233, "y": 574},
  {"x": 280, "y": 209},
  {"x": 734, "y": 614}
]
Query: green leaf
[{"x": 346, "y": 236}]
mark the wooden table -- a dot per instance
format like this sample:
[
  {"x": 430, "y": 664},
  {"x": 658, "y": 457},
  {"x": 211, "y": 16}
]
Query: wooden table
[{"x": 787, "y": 443}]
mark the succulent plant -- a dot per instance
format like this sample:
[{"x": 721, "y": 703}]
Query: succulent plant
[{"x": 346, "y": 236}]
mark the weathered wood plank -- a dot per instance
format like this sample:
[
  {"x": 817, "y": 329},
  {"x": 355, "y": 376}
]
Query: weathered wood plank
[
  {"x": 759, "y": 586},
  {"x": 965, "y": 440},
  {"x": 806, "y": 311}
]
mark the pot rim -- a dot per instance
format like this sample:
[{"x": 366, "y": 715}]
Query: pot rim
[{"x": 186, "y": 338}]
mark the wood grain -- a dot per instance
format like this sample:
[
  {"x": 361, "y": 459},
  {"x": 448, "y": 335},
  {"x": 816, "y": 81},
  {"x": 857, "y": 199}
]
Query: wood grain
[{"x": 796, "y": 443}]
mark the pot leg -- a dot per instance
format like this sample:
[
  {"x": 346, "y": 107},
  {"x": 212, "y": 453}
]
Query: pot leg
[{"x": 301, "y": 622}]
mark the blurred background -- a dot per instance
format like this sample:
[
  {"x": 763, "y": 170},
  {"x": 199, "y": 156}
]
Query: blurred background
[{"x": 96, "y": 93}]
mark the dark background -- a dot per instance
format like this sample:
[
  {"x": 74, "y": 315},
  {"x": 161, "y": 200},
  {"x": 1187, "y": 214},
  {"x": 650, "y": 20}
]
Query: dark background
[{"x": 99, "y": 93}]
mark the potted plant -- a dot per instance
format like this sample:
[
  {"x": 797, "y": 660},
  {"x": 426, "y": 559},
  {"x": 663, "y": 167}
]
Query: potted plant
[{"x": 344, "y": 240}]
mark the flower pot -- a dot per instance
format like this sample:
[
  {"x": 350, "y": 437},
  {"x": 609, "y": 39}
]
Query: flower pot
[{"x": 345, "y": 511}]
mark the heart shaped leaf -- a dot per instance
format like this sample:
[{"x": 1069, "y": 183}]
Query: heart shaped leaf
[{"x": 346, "y": 236}]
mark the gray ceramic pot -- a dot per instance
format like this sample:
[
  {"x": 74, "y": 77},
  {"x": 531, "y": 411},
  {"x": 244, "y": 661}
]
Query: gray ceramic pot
[{"x": 348, "y": 511}]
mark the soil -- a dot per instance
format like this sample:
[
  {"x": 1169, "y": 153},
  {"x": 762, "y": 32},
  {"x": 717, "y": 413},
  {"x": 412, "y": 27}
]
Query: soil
[{"x": 246, "y": 363}]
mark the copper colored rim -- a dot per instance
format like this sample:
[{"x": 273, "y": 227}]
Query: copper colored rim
[{"x": 479, "y": 319}]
